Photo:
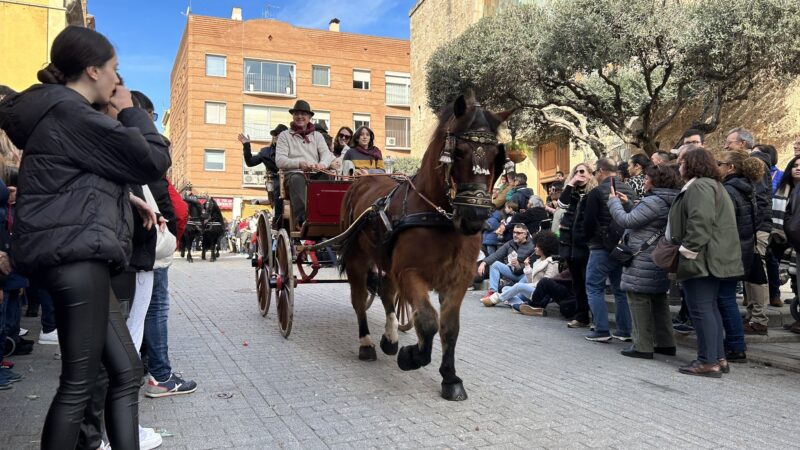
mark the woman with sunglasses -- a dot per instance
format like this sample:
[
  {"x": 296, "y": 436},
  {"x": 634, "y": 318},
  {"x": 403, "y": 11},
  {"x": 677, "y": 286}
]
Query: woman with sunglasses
[
  {"x": 781, "y": 214},
  {"x": 341, "y": 144},
  {"x": 573, "y": 246},
  {"x": 740, "y": 173}
]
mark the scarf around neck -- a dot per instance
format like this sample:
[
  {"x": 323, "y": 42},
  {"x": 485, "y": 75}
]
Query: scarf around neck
[
  {"x": 373, "y": 152},
  {"x": 296, "y": 130}
]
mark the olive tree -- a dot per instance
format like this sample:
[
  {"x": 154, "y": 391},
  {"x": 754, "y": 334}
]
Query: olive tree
[{"x": 627, "y": 67}]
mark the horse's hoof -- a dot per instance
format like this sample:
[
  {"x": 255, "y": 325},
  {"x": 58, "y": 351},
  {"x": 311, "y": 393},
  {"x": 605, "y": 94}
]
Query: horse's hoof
[
  {"x": 389, "y": 348},
  {"x": 454, "y": 392},
  {"x": 405, "y": 358},
  {"x": 367, "y": 353}
]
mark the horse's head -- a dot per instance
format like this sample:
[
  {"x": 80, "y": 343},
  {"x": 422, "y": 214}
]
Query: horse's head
[{"x": 472, "y": 158}]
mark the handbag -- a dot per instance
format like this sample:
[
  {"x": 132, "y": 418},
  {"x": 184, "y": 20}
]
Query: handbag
[
  {"x": 165, "y": 240},
  {"x": 665, "y": 255},
  {"x": 625, "y": 255}
]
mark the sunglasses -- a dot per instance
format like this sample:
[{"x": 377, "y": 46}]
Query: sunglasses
[
  {"x": 520, "y": 232},
  {"x": 580, "y": 171},
  {"x": 345, "y": 136}
]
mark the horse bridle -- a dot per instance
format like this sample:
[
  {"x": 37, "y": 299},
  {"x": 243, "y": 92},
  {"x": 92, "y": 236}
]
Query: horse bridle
[{"x": 473, "y": 195}]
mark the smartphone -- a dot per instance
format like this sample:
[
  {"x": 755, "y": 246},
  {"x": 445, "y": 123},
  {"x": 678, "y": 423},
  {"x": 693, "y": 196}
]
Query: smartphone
[{"x": 613, "y": 185}]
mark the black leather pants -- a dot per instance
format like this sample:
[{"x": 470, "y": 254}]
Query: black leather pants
[{"x": 91, "y": 331}]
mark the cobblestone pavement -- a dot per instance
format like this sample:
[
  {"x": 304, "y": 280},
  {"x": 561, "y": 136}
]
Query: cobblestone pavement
[{"x": 532, "y": 382}]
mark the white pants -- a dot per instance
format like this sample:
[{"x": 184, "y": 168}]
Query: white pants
[{"x": 139, "y": 306}]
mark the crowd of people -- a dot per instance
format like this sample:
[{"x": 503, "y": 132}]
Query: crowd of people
[
  {"x": 88, "y": 227},
  {"x": 701, "y": 222}
]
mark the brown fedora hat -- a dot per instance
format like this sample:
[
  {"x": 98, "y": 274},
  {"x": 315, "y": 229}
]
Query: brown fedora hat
[{"x": 302, "y": 105}]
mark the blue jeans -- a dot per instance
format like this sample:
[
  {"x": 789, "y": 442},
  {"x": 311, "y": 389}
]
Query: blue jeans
[
  {"x": 602, "y": 266},
  {"x": 518, "y": 293},
  {"x": 501, "y": 269},
  {"x": 2, "y": 329},
  {"x": 773, "y": 274},
  {"x": 155, "y": 327},
  {"x": 38, "y": 294},
  {"x": 13, "y": 317},
  {"x": 701, "y": 299},
  {"x": 731, "y": 319}
]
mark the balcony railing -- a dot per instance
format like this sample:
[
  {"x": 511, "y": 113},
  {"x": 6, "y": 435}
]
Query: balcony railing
[{"x": 268, "y": 84}]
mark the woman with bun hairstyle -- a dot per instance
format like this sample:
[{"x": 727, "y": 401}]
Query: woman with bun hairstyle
[
  {"x": 739, "y": 174},
  {"x": 74, "y": 223}
]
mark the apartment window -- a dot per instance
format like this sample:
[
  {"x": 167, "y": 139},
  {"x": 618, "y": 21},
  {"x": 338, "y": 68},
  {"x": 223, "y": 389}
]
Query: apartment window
[
  {"x": 398, "y": 132},
  {"x": 361, "y": 79},
  {"x": 214, "y": 160},
  {"x": 215, "y": 113},
  {"x": 323, "y": 117},
  {"x": 360, "y": 120},
  {"x": 398, "y": 89},
  {"x": 215, "y": 66},
  {"x": 320, "y": 75},
  {"x": 268, "y": 77}
]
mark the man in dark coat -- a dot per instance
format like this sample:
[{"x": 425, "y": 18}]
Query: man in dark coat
[{"x": 601, "y": 266}]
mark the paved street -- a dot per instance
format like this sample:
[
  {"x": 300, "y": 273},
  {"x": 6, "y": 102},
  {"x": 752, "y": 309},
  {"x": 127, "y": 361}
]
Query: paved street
[{"x": 532, "y": 383}]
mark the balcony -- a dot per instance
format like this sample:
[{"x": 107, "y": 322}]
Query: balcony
[{"x": 269, "y": 84}]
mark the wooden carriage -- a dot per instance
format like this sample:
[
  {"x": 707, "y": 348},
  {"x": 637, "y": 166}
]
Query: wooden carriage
[{"x": 284, "y": 246}]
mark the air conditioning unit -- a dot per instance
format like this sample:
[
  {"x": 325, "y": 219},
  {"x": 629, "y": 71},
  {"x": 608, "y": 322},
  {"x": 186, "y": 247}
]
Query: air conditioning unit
[
  {"x": 248, "y": 179},
  {"x": 391, "y": 141}
]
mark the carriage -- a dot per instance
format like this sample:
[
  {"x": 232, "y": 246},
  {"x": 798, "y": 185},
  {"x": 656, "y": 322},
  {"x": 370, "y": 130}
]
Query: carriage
[{"x": 287, "y": 255}]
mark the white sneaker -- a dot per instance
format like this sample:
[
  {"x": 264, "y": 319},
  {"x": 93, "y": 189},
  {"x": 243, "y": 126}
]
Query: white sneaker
[
  {"x": 23, "y": 332},
  {"x": 104, "y": 446},
  {"x": 50, "y": 338},
  {"x": 148, "y": 438}
]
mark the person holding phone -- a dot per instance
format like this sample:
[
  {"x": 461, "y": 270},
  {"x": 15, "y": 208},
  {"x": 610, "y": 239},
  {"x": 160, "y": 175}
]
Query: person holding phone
[
  {"x": 601, "y": 266},
  {"x": 504, "y": 264},
  {"x": 572, "y": 244}
]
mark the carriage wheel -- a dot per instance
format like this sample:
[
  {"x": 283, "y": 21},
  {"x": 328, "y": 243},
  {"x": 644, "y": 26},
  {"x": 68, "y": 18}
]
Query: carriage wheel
[
  {"x": 285, "y": 293},
  {"x": 405, "y": 320},
  {"x": 265, "y": 268},
  {"x": 794, "y": 308}
]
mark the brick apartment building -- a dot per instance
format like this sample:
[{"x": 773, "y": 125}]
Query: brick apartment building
[{"x": 231, "y": 76}]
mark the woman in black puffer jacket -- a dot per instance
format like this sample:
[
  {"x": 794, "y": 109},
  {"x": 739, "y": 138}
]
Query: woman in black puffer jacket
[
  {"x": 74, "y": 222},
  {"x": 740, "y": 173},
  {"x": 573, "y": 248}
]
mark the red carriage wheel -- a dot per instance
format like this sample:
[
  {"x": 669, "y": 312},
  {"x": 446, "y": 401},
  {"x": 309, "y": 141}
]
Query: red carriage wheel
[
  {"x": 285, "y": 294},
  {"x": 405, "y": 320},
  {"x": 264, "y": 266}
]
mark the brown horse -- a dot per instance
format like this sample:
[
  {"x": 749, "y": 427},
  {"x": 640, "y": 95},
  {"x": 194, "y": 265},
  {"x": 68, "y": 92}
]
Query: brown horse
[{"x": 436, "y": 222}]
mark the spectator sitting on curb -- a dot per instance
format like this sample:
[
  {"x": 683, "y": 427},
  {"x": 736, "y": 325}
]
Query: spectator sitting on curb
[
  {"x": 507, "y": 261},
  {"x": 545, "y": 247}
]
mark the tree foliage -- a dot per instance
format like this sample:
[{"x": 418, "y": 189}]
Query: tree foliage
[{"x": 624, "y": 66}]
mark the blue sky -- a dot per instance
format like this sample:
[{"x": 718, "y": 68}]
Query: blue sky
[{"x": 146, "y": 33}]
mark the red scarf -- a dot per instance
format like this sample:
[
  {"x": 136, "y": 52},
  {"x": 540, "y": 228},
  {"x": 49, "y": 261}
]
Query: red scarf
[
  {"x": 373, "y": 152},
  {"x": 304, "y": 133}
]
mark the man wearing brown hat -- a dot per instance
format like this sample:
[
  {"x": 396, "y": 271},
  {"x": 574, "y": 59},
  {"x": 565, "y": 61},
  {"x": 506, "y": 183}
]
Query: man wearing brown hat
[{"x": 301, "y": 149}]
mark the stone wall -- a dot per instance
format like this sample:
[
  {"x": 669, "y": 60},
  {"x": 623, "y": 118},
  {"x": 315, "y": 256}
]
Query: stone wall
[
  {"x": 433, "y": 23},
  {"x": 772, "y": 113}
]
